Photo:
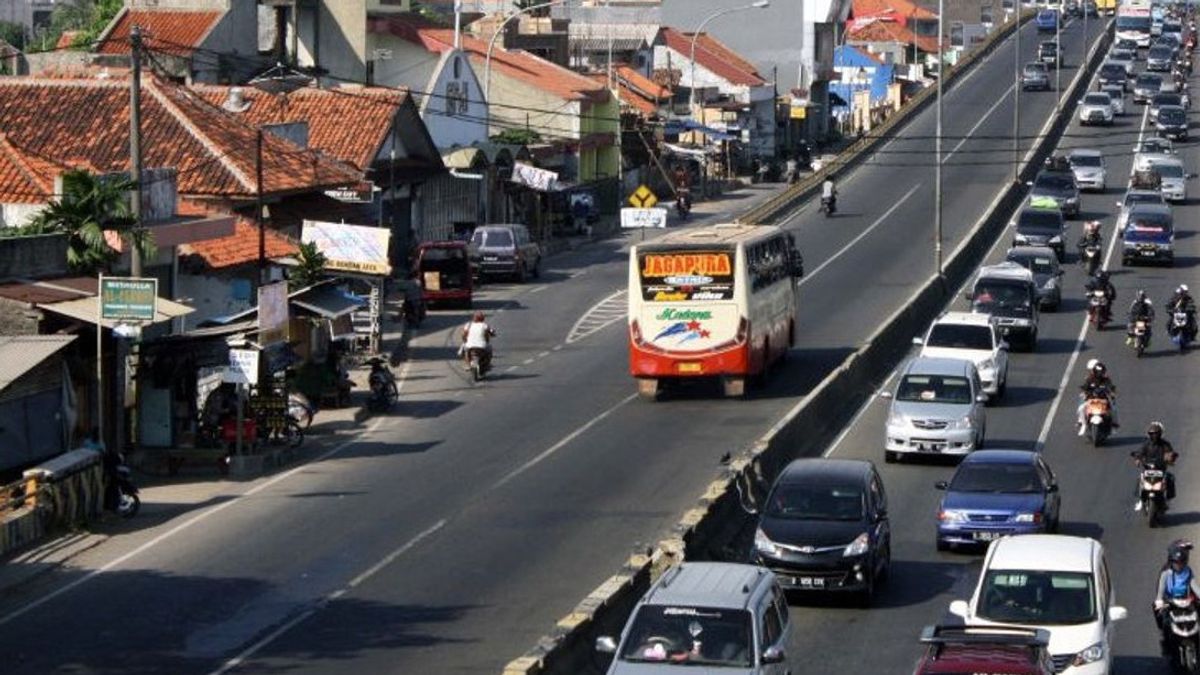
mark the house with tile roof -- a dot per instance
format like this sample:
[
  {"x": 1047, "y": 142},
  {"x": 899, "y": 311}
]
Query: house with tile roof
[
  {"x": 896, "y": 27},
  {"x": 195, "y": 40},
  {"x": 728, "y": 92},
  {"x": 638, "y": 94}
]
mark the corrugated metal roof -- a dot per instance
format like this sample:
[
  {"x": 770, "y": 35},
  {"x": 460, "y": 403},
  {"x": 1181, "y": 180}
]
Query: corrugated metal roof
[{"x": 20, "y": 354}]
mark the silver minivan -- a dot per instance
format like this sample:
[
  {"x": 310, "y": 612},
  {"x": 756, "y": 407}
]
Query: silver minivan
[
  {"x": 702, "y": 617},
  {"x": 937, "y": 409}
]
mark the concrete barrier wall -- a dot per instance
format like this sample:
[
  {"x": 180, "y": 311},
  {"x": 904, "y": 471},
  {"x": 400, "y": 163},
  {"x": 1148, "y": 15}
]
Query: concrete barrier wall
[
  {"x": 711, "y": 530},
  {"x": 20, "y": 529}
]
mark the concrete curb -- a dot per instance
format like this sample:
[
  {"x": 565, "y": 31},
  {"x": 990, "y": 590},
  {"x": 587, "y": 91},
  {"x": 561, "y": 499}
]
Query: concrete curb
[{"x": 709, "y": 529}]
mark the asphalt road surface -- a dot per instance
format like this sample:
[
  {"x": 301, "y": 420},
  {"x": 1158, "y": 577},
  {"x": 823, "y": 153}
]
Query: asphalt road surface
[{"x": 455, "y": 531}]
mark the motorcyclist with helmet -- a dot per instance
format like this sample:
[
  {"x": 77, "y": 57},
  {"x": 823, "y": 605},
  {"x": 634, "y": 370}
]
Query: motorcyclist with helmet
[
  {"x": 1155, "y": 451},
  {"x": 1091, "y": 236},
  {"x": 1141, "y": 309},
  {"x": 1175, "y": 581},
  {"x": 1097, "y": 383},
  {"x": 1181, "y": 301},
  {"x": 1101, "y": 282}
]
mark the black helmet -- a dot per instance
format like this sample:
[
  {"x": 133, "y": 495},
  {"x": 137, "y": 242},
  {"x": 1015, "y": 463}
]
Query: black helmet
[
  {"x": 1154, "y": 429},
  {"x": 1102, "y": 275},
  {"x": 1177, "y": 554}
]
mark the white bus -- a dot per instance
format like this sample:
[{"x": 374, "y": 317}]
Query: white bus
[
  {"x": 717, "y": 301},
  {"x": 1133, "y": 22}
]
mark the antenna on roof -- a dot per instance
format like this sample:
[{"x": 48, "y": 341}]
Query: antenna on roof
[{"x": 279, "y": 79}]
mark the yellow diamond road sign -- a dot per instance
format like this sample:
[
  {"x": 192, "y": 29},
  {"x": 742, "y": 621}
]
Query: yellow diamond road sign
[{"x": 643, "y": 198}]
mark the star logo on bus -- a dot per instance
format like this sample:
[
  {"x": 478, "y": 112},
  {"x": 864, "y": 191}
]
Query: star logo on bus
[{"x": 683, "y": 331}]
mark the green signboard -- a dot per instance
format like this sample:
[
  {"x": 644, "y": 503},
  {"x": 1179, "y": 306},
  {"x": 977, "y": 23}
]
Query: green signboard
[{"x": 127, "y": 298}]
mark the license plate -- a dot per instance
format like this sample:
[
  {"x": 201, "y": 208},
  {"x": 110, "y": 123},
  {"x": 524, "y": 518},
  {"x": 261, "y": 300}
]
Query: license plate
[
  {"x": 491, "y": 258},
  {"x": 1148, "y": 253},
  {"x": 985, "y": 536},
  {"x": 690, "y": 367},
  {"x": 810, "y": 582},
  {"x": 929, "y": 447}
]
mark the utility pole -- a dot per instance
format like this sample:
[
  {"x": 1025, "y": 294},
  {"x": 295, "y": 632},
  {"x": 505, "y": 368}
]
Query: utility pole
[
  {"x": 258, "y": 206},
  {"x": 1016, "y": 140},
  {"x": 937, "y": 170},
  {"x": 135, "y": 143}
]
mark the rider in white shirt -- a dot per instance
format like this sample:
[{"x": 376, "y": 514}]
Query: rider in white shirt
[{"x": 478, "y": 335}]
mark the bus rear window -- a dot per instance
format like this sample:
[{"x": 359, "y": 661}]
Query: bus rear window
[{"x": 675, "y": 276}]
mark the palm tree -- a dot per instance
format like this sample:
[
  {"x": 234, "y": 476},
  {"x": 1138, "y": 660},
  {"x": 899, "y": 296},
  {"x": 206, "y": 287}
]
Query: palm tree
[{"x": 89, "y": 206}]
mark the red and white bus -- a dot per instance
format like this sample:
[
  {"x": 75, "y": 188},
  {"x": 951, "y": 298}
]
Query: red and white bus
[{"x": 717, "y": 301}]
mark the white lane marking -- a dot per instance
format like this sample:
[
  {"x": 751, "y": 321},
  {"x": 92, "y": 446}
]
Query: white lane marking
[
  {"x": 1002, "y": 99},
  {"x": 562, "y": 443},
  {"x": 537, "y": 289},
  {"x": 187, "y": 524},
  {"x": 527, "y": 362},
  {"x": 510, "y": 369},
  {"x": 1079, "y": 341},
  {"x": 599, "y": 316},
  {"x": 542, "y": 355},
  {"x": 253, "y": 649},
  {"x": 887, "y": 214}
]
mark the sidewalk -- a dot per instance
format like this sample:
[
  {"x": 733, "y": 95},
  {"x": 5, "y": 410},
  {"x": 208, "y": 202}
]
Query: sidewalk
[{"x": 199, "y": 485}]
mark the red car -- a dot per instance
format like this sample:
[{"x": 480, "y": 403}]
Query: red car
[
  {"x": 996, "y": 650},
  {"x": 444, "y": 272}
]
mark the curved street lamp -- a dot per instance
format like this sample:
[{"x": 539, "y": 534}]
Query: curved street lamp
[
  {"x": 758, "y": 4},
  {"x": 487, "y": 62}
]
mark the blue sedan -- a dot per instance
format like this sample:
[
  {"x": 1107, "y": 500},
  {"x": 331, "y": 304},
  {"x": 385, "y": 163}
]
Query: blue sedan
[{"x": 995, "y": 493}]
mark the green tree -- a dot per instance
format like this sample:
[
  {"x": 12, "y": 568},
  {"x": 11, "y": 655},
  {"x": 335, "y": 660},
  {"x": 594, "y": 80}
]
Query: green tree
[
  {"x": 311, "y": 268},
  {"x": 90, "y": 17},
  {"x": 518, "y": 137},
  {"x": 88, "y": 207},
  {"x": 13, "y": 34}
]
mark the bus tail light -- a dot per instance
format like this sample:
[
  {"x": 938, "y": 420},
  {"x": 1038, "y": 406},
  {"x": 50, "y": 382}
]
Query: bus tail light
[
  {"x": 743, "y": 331},
  {"x": 636, "y": 331}
]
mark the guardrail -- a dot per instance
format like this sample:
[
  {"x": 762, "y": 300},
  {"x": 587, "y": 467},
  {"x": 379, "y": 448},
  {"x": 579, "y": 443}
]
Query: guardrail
[
  {"x": 711, "y": 528},
  {"x": 63, "y": 492},
  {"x": 773, "y": 209}
]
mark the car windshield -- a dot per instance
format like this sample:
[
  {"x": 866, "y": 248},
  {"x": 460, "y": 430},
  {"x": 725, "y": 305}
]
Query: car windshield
[
  {"x": 1087, "y": 160},
  {"x": 1112, "y": 70},
  {"x": 1143, "y": 198},
  {"x": 1005, "y": 478},
  {"x": 1034, "y": 263},
  {"x": 1165, "y": 99},
  {"x": 1172, "y": 116},
  {"x": 1155, "y": 146},
  {"x": 1168, "y": 170},
  {"x": 1160, "y": 53},
  {"x": 1147, "y": 80},
  {"x": 1034, "y": 70},
  {"x": 995, "y": 294},
  {"x": 934, "y": 389},
  {"x": 1138, "y": 23},
  {"x": 959, "y": 336},
  {"x": 492, "y": 238},
  {"x": 1039, "y": 598},
  {"x": 1048, "y": 48},
  {"x": 1172, "y": 28},
  {"x": 701, "y": 636},
  {"x": 816, "y": 502},
  {"x": 1097, "y": 99},
  {"x": 1040, "y": 219},
  {"x": 1054, "y": 181}
]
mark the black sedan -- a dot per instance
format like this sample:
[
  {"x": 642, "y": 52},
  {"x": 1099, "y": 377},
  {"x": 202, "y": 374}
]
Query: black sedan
[{"x": 825, "y": 528}]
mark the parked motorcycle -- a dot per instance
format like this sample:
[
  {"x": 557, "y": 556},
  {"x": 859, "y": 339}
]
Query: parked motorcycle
[
  {"x": 1182, "y": 329},
  {"x": 1153, "y": 493},
  {"x": 412, "y": 310},
  {"x": 1181, "y": 634},
  {"x": 1098, "y": 309},
  {"x": 1140, "y": 337},
  {"x": 384, "y": 392},
  {"x": 1097, "y": 415},
  {"x": 300, "y": 409},
  {"x": 128, "y": 501},
  {"x": 1090, "y": 258}
]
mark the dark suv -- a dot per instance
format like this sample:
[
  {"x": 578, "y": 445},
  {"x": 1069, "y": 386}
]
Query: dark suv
[
  {"x": 506, "y": 250},
  {"x": 985, "y": 649},
  {"x": 825, "y": 527}
]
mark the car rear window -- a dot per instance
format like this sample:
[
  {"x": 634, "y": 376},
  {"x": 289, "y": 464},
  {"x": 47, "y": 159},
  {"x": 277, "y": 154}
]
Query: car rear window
[
  {"x": 1160, "y": 53},
  {"x": 1035, "y": 264},
  {"x": 690, "y": 636},
  {"x": 959, "y": 336},
  {"x": 934, "y": 389}
]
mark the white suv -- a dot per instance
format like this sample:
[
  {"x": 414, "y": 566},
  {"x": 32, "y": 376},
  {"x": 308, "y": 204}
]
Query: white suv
[
  {"x": 973, "y": 337},
  {"x": 1054, "y": 582}
]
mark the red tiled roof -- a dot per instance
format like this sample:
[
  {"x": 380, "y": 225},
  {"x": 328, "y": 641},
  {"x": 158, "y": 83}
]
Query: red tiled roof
[
  {"x": 890, "y": 31},
  {"x": 239, "y": 248},
  {"x": 521, "y": 65},
  {"x": 327, "y": 112},
  {"x": 25, "y": 178},
  {"x": 66, "y": 39},
  {"x": 634, "y": 97},
  {"x": 171, "y": 31},
  {"x": 901, "y": 9},
  {"x": 714, "y": 57},
  {"x": 86, "y": 123},
  {"x": 641, "y": 83}
]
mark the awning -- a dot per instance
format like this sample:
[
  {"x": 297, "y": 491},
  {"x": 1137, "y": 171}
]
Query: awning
[
  {"x": 20, "y": 354},
  {"x": 837, "y": 101},
  {"x": 88, "y": 310},
  {"x": 464, "y": 158},
  {"x": 675, "y": 127},
  {"x": 327, "y": 302}
]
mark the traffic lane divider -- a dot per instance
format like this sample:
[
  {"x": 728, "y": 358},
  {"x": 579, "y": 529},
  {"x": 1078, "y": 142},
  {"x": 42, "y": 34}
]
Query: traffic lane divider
[{"x": 712, "y": 528}]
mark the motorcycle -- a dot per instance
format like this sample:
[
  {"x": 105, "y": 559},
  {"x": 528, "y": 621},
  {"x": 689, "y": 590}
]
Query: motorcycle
[
  {"x": 383, "y": 386},
  {"x": 128, "y": 501},
  {"x": 412, "y": 310},
  {"x": 1181, "y": 634},
  {"x": 829, "y": 205},
  {"x": 683, "y": 202},
  {"x": 1153, "y": 492},
  {"x": 1098, "y": 309},
  {"x": 479, "y": 362},
  {"x": 1182, "y": 329},
  {"x": 1140, "y": 336},
  {"x": 300, "y": 409},
  {"x": 1089, "y": 257},
  {"x": 1097, "y": 414}
]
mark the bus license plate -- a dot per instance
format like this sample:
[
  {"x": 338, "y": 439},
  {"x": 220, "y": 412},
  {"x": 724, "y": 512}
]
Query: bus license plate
[{"x": 690, "y": 367}]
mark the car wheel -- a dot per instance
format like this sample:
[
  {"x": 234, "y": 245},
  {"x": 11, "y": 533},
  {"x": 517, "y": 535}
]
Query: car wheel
[
  {"x": 891, "y": 457},
  {"x": 537, "y": 268},
  {"x": 521, "y": 273},
  {"x": 1003, "y": 387},
  {"x": 885, "y": 570},
  {"x": 867, "y": 595}
]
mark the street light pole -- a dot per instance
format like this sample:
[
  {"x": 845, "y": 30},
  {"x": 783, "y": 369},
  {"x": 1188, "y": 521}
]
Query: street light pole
[
  {"x": 937, "y": 191},
  {"x": 1058, "y": 20},
  {"x": 1016, "y": 139},
  {"x": 758, "y": 4},
  {"x": 487, "y": 61}
]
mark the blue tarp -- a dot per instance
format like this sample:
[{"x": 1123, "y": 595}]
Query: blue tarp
[{"x": 682, "y": 126}]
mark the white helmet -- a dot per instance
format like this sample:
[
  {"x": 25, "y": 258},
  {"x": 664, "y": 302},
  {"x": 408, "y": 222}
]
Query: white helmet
[
  {"x": 1183, "y": 288},
  {"x": 1091, "y": 365}
]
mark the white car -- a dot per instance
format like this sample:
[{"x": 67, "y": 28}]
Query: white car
[
  {"x": 1150, "y": 150},
  {"x": 1123, "y": 57},
  {"x": 1096, "y": 108},
  {"x": 1053, "y": 582},
  {"x": 1088, "y": 167},
  {"x": 1117, "y": 94},
  {"x": 971, "y": 337},
  {"x": 1174, "y": 178}
]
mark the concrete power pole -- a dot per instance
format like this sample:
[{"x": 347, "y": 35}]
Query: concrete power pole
[{"x": 135, "y": 143}]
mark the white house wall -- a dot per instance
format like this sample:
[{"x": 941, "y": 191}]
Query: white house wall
[
  {"x": 516, "y": 104},
  {"x": 16, "y": 215},
  {"x": 449, "y": 123},
  {"x": 705, "y": 79}
]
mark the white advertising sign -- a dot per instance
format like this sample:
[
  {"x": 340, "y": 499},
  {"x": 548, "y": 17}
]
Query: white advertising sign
[
  {"x": 243, "y": 366},
  {"x": 638, "y": 218}
]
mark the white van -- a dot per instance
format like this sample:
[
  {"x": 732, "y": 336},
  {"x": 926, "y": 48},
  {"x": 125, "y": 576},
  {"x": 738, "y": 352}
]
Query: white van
[{"x": 1055, "y": 582}]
